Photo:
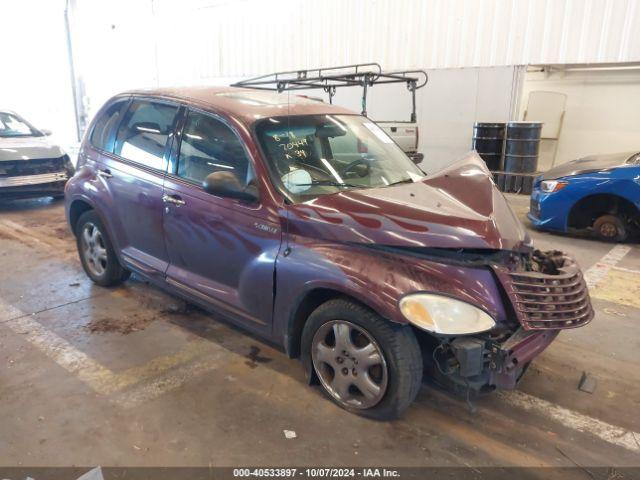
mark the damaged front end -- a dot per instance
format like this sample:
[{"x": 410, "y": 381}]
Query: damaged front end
[
  {"x": 34, "y": 177},
  {"x": 545, "y": 292}
]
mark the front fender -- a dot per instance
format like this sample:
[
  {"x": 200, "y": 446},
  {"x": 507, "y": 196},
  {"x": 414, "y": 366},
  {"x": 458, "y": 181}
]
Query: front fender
[
  {"x": 555, "y": 208},
  {"x": 376, "y": 279}
]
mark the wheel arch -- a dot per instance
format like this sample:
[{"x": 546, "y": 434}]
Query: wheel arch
[
  {"x": 584, "y": 212},
  {"x": 82, "y": 204},
  {"x": 76, "y": 209},
  {"x": 305, "y": 305}
]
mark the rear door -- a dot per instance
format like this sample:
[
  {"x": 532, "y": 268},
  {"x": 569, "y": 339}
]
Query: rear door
[
  {"x": 134, "y": 175},
  {"x": 222, "y": 251}
]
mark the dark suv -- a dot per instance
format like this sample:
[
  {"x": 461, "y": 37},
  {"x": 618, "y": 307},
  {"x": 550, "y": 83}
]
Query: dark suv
[{"x": 304, "y": 223}]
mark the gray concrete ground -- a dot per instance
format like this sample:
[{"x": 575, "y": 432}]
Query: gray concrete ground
[{"x": 125, "y": 376}]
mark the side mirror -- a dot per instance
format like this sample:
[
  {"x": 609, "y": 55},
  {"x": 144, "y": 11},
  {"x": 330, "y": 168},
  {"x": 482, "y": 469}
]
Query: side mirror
[
  {"x": 46, "y": 132},
  {"x": 225, "y": 184},
  {"x": 416, "y": 157}
]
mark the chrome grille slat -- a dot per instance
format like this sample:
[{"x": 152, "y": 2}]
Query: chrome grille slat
[
  {"x": 542, "y": 315},
  {"x": 542, "y": 301},
  {"x": 575, "y": 291},
  {"x": 572, "y": 307},
  {"x": 581, "y": 296},
  {"x": 574, "y": 283}
]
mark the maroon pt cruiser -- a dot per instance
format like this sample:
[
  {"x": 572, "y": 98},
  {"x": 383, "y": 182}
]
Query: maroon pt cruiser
[{"x": 307, "y": 225}]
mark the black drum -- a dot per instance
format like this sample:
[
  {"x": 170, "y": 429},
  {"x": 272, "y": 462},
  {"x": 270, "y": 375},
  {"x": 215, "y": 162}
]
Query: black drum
[
  {"x": 522, "y": 146},
  {"x": 488, "y": 141}
]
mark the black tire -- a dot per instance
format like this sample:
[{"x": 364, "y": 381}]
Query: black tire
[
  {"x": 113, "y": 273},
  {"x": 610, "y": 228},
  {"x": 399, "y": 346}
]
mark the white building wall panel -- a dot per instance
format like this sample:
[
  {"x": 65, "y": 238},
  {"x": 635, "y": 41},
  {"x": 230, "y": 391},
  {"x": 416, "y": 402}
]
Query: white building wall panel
[{"x": 245, "y": 37}]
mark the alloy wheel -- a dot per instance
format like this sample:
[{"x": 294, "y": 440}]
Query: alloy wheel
[
  {"x": 350, "y": 364},
  {"x": 94, "y": 250}
]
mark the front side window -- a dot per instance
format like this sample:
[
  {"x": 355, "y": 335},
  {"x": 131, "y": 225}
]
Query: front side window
[
  {"x": 312, "y": 155},
  {"x": 208, "y": 146},
  {"x": 13, "y": 126},
  {"x": 143, "y": 135},
  {"x": 104, "y": 125}
]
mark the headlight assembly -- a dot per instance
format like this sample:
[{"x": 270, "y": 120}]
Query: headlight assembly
[
  {"x": 444, "y": 315},
  {"x": 549, "y": 186}
]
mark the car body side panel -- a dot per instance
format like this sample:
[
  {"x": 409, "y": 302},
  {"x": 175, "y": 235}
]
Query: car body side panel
[
  {"x": 375, "y": 278},
  {"x": 554, "y": 208},
  {"x": 223, "y": 250}
]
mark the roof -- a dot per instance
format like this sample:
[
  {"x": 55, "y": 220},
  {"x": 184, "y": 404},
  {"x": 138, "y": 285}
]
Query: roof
[{"x": 248, "y": 105}]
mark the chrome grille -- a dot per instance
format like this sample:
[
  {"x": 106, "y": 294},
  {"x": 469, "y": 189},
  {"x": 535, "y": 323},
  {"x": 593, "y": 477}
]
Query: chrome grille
[{"x": 543, "y": 301}]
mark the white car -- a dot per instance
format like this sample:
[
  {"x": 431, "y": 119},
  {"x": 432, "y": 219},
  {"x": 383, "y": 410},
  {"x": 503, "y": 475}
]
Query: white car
[{"x": 30, "y": 164}]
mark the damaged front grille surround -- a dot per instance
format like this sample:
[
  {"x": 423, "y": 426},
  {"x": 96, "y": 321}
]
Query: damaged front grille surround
[
  {"x": 546, "y": 289},
  {"x": 16, "y": 168},
  {"x": 550, "y": 295}
]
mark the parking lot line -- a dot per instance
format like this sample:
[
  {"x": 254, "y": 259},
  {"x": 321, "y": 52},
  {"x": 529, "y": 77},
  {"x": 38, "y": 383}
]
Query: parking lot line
[
  {"x": 169, "y": 380},
  {"x": 99, "y": 378},
  {"x": 63, "y": 353},
  {"x": 627, "y": 439},
  {"x": 596, "y": 273}
]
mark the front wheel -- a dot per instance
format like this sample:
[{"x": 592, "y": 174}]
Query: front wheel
[
  {"x": 610, "y": 228},
  {"x": 364, "y": 363},
  {"x": 96, "y": 252}
]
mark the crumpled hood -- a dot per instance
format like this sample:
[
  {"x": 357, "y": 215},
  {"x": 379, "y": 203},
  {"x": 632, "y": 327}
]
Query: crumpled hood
[
  {"x": 28, "y": 148},
  {"x": 458, "y": 207},
  {"x": 592, "y": 163}
]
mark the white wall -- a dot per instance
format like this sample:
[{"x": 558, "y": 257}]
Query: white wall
[
  {"x": 169, "y": 42},
  {"x": 35, "y": 78},
  {"x": 245, "y": 37},
  {"x": 602, "y": 110}
]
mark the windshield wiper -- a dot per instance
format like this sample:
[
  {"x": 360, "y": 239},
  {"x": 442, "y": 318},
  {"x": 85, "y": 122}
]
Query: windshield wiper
[
  {"x": 329, "y": 183},
  {"x": 406, "y": 180}
]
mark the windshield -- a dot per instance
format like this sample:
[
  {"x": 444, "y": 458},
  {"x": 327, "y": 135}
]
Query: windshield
[
  {"x": 312, "y": 155},
  {"x": 13, "y": 126}
]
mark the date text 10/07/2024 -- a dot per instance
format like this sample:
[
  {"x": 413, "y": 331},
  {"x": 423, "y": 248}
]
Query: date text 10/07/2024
[{"x": 316, "y": 472}]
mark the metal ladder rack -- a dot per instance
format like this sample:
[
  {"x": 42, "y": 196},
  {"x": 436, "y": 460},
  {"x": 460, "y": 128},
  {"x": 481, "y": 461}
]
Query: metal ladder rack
[{"x": 364, "y": 75}]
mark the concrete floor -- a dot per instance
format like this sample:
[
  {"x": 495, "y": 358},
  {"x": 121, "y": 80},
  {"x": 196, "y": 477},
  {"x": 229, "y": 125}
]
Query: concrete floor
[{"x": 126, "y": 376}]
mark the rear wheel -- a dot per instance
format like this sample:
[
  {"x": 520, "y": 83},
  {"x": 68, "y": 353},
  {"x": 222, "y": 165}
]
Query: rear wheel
[
  {"x": 610, "y": 228},
  {"x": 364, "y": 363},
  {"x": 96, "y": 252}
]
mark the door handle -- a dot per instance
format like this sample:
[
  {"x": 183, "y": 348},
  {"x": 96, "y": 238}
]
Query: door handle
[
  {"x": 105, "y": 173},
  {"x": 175, "y": 199}
]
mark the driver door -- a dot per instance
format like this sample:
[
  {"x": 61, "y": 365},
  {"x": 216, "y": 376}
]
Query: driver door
[{"x": 222, "y": 251}]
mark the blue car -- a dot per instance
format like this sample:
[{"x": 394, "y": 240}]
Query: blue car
[{"x": 600, "y": 193}]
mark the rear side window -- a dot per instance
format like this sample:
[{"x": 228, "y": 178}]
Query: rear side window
[
  {"x": 208, "y": 145},
  {"x": 143, "y": 135},
  {"x": 105, "y": 124}
]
